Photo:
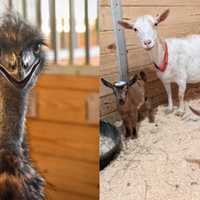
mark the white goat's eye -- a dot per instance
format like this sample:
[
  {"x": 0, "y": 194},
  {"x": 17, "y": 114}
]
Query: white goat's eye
[
  {"x": 135, "y": 29},
  {"x": 156, "y": 24}
]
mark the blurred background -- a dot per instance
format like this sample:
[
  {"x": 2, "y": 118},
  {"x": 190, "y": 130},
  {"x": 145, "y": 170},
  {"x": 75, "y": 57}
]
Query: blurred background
[{"x": 63, "y": 112}]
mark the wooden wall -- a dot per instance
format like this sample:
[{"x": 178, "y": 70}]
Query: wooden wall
[
  {"x": 184, "y": 19},
  {"x": 64, "y": 142}
]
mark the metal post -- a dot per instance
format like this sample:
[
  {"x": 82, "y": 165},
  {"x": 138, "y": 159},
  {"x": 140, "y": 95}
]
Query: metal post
[
  {"x": 87, "y": 35},
  {"x": 38, "y": 13},
  {"x": 10, "y": 4},
  {"x": 120, "y": 40},
  {"x": 24, "y": 9},
  {"x": 72, "y": 33},
  {"x": 52, "y": 7}
]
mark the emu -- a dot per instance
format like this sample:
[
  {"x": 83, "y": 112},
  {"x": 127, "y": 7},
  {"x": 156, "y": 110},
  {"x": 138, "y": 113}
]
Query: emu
[
  {"x": 131, "y": 97},
  {"x": 21, "y": 61},
  {"x": 176, "y": 59}
]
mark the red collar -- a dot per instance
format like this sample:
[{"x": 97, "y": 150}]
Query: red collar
[{"x": 164, "y": 64}]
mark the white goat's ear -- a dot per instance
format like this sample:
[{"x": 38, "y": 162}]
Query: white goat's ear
[
  {"x": 125, "y": 24},
  {"x": 162, "y": 17},
  {"x": 106, "y": 83}
]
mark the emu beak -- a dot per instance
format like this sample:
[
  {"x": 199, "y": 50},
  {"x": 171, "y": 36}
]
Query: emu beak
[{"x": 20, "y": 84}]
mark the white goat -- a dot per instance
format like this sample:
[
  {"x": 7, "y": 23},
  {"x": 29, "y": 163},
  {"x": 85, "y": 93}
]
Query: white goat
[{"x": 176, "y": 59}]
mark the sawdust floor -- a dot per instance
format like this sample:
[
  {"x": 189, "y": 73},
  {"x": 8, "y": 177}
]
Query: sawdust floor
[{"x": 162, "y": 164}]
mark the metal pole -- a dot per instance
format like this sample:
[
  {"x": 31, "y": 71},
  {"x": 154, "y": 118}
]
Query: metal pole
[
  {"x": 120, "y": 40},
  {"x": 24, "y": 9},
  {"x": 87, "y": 35},
  {"x": 38, "y": 13},
  {"x": 10, "y": 4},
  {"x": 72, "y": 33},
  {"x": 52, "y": 7}
]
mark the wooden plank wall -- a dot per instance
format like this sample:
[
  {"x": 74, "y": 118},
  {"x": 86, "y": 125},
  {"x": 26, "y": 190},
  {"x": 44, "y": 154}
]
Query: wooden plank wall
[
  {"x": 184, "y": 19},
  {"x": 63, "y": 144}
]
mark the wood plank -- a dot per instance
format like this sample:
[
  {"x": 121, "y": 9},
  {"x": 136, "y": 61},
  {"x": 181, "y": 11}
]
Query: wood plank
[
  {"x": 112, "y": 77},
  {"x": 74, "y": 142},
  {"x": 68, "y": 175},
  {"x": 154, "y": 3},
  {"x": 156, "y": 93},
  {"x": 62, "y": 105},
  {"x": 165, "y": 31},
  {"x": 90, "y": 83},
  {"x": 136, "y": 59},
  {"x": 62, "y": 195},
  {"x": 108, "y": 102},
  {"x": 184, "y": 19},
  {"x": 68, "y": 160},
  {"x": 191, "y": 15}
]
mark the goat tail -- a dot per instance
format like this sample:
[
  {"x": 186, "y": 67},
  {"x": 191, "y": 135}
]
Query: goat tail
[{"x": 196, "y": 112}]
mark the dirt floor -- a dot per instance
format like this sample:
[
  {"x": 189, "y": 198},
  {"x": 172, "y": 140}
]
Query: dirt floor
[{"x": 162, "y": 164}]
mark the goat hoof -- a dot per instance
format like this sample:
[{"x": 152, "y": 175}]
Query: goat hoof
[
  {"x": 168, "y": 111},
  {"x": 180, "y": 113},
  {"x": 133, "y": 137}
]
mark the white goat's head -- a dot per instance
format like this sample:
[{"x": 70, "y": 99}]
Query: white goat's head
[{"x": 144, "y": 26}]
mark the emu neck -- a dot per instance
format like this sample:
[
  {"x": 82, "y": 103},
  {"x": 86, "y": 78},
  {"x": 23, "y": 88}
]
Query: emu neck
[
  {"x": 157, "y": 52},
  {"x": 13, "y": 110}
]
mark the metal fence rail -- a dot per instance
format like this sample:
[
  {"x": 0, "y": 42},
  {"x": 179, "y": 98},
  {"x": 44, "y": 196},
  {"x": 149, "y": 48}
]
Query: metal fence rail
[{"x": 72, "y": 35}]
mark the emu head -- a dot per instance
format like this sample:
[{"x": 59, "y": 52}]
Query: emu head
[
  {"x": 144, "y": 27},
  {"x": 120, "y": 88},
  {"x": 21, "y": 56}
]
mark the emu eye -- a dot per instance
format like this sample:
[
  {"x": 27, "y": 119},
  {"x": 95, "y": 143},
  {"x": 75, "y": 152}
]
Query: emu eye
[
  {"x": 135, "y": 29},
  {"x": 37, "y": 48}
]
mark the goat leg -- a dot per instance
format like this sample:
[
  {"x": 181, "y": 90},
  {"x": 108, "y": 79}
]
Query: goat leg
[
  {"x": 167, "y": 86},
  {"x": 182, "y": 87},
  {"x": 127, "y": 132},
  {"x": 150, "y": 110},
  {"x": 134, "y": 133}
]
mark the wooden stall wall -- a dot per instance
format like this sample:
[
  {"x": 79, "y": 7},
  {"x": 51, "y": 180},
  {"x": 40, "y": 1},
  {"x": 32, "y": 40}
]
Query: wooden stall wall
[
  {"x": 63, "y": 138},
  {"x": 184, "y": 19}
]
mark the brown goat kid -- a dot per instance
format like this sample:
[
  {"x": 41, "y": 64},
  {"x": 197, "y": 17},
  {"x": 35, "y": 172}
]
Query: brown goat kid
[{"x": 131, "y": 98}]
